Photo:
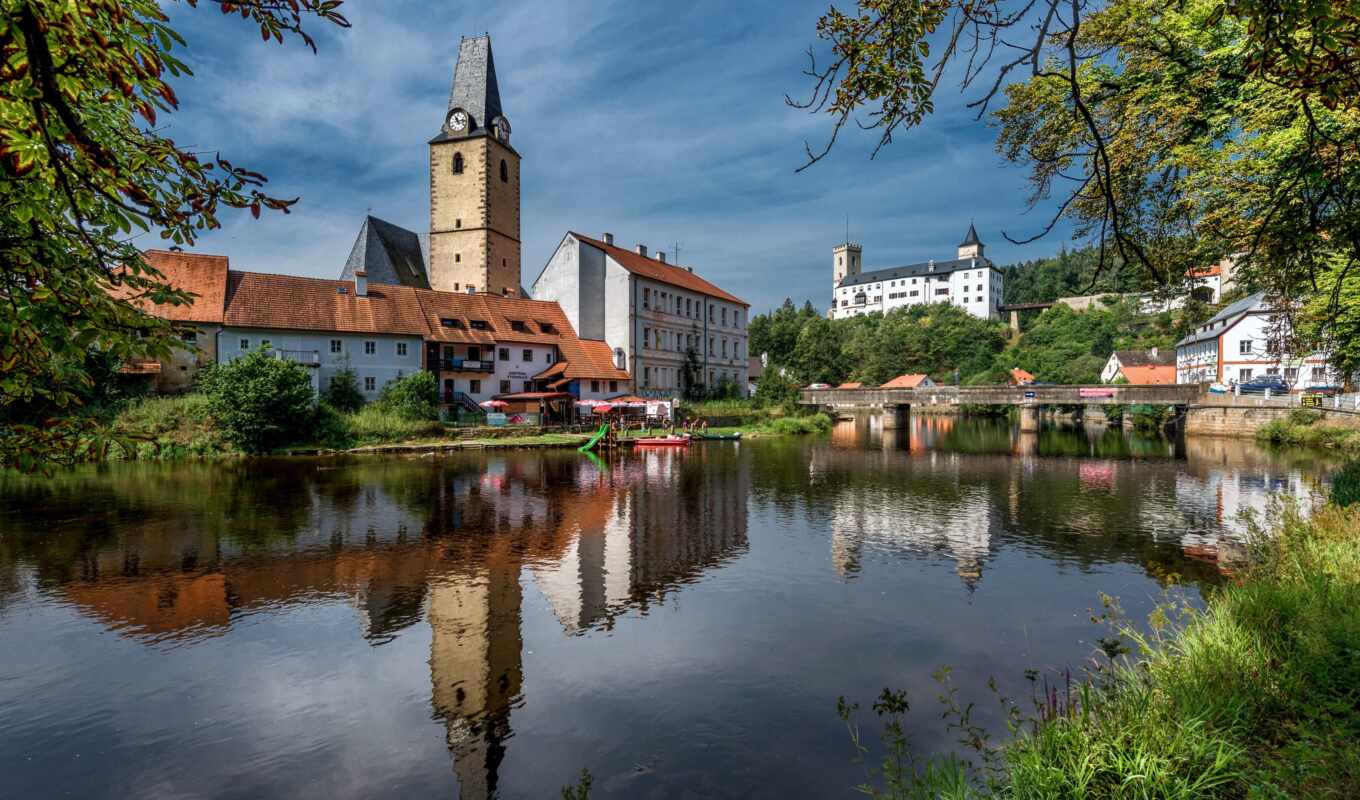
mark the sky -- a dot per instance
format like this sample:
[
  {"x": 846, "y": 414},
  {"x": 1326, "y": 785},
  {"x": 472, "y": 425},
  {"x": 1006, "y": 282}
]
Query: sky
[{"x": 664, "y": 124}]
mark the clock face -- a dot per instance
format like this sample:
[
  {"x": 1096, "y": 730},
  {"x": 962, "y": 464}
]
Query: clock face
[
  {"x": 458, "y": 120},
  {"x": 502, "y": 128}
]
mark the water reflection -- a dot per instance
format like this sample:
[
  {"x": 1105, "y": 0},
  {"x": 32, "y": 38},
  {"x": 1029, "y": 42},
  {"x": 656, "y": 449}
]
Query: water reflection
[
  {"x": 786, "y": 553},
  {"x": 167, "y": 556}
]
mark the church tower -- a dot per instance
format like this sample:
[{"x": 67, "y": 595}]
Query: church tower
[
  {"x": 474, "y": 184},
  {"x": 971, "y": 246}
]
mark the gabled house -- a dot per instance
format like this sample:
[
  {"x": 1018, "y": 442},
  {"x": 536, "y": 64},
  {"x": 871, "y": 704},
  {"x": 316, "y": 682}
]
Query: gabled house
[
  {"x": 205, "y": 277},
  {"x": 1242, "y": 342},
  {"x": 1143, "y": 367},
  {"x": 653, "y": 314},
  {"x": 909, "y": 381}
]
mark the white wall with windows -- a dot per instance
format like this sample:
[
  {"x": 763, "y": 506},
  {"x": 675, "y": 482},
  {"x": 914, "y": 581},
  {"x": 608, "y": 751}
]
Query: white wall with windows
[
  {"x": 375, "y": 358},
  {"x": 978, "y": 289}
]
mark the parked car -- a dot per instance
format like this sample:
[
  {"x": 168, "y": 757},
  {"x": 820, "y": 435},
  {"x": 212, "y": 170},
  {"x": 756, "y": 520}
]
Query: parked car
[
  {"x": 819, "y": 386},
  {"x": 1261, "y": 383},
  {"x": 1325, "y": 391}
]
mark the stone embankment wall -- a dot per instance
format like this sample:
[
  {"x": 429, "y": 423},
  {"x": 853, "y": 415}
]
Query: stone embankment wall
[{"x": 1232, "y": 419}]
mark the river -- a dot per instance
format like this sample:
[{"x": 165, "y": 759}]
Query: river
[{"x": 486, "y": 624}]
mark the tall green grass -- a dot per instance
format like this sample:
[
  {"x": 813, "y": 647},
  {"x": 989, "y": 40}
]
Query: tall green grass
[
  {"x": 177, "y": 426},
  {"x": 1302, "y": 428},
  {"x": 1255, "y": 696}
]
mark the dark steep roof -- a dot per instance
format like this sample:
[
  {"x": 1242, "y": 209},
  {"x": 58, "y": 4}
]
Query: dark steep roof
[
  {"x": 475, "y": 89},
  {"x": 1214, "y": 327},
  {"x": 971, "y": 238},
  {"x": 915, "y": 271},
  {"x": 389, "y": 254}
]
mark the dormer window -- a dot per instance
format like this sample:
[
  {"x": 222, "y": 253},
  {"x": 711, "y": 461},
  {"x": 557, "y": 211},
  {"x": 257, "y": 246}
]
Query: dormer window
[
  {"x": 479, "y": 325},
  {"x": 450, "y": 322},
  {"x": 547, "y": 327},
  {"x": 518, "y": 326},
  {"x": 457, "y": 163}
]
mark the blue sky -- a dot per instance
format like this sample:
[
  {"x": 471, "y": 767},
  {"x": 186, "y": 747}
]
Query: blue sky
[{"x": 661, "y": 123}]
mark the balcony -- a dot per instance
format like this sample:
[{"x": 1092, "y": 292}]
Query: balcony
[
  {"x": 466, "y": 365},
  {"x": 307, "y": 358}
]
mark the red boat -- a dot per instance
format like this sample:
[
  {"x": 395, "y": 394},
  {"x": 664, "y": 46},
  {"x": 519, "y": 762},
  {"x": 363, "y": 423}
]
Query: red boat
[{"x": 663, "y": 441}]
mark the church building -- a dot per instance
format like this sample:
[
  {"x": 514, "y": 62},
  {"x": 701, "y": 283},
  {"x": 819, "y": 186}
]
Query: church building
[{"x": 473, "y": 241}]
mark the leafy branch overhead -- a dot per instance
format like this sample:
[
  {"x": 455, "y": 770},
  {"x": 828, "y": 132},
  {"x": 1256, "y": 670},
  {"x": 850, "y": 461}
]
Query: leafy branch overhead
[
  {"x": 86, "y": 171},
  {"x": 1169, "y": 134}
]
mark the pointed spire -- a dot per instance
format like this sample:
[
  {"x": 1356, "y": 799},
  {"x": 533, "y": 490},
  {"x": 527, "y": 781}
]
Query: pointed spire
[
  {"x": 971, "y": 238},
  {"x": 474, "y": 83}
]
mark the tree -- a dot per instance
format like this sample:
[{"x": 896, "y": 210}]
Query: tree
[
  {"x": 1170, "y": 135},
  {"x": 817, "y": 356},
  {"x": 343, "y": 392},
  {"x": 692, "y": 376},
  {"x": 84, "y": 92},
  {"x": 261, "y": 402},
  {"x": 415, "y": 396}
]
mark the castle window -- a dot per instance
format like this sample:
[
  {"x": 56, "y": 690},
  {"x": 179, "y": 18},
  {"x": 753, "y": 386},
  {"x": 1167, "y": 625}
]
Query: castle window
[
  {"x": 457, "y": 163},
  {"x": 505, "y": 172},
  {"x": 457, "y": 258},
  {"x": 457, "y": 223}
]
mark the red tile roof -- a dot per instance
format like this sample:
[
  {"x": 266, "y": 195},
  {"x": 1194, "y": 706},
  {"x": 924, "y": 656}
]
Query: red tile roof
[
  {"x": 851, "y": 385},
  {"x": 908, "y": 381},
  {"x": 1145, "y": 376},
  {"x": 204, "y": 276},
  {"x": 1019, "y": 376},
  {"x": 292, "y": 302},
  {"x": 661, "y": 271}
]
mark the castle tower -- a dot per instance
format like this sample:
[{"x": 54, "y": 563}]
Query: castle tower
[
  {"x": 845, "y": 262},
  {"x": 474, "y": 183},
  {"x": 971, "y": 246}
]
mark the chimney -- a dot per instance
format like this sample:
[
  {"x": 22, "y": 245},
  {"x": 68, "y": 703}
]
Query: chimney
[
  {"x": 661, "y": 256},
  {"x": 691, "y": 269},
  {"x": 609, "y": 238},
  {"x": 360, "y": 283},
  {"x": 642, "y": 250}
]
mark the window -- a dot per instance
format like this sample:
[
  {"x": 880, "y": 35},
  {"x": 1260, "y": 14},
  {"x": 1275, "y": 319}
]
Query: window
[
  {"x": 474, "y": 354},
  {"x": 370, "y": 383},
  {"x": 1244, "y": 347},
  {"x": 724, "y": 348},
  {"x": 646, "y": 298},
  {"x": 613, "y": 386},
  {"x": 528, "y": 386},
  {"x": 505, "y": 172},
  {"x": 401, "y": 348},
  {"x": 479, "y": 325},
  {"x": 245, "y": 344},
  {"x": 1291, "y": 374},
  {"x": 646, "y": 376},
  {"x": 724, "y": 316},
  {"x": 457, "y": 163},
  {"x": 190, "y": 337},
  {"x": 710, "y": 345},
  {"x": 505, "y": 387},
  {"x": 710, "y": 312},
  {"x": 689, "y": 310},
  {"x": 457, "y": 258},
  {"x": 370, "y": 348},
  {"x": 518, "y": 326},
  {"x": 504, "y": 354},
  {"x": 646, "y": 337},
  {"x": 458, "y": 223},
  {"x": 595, "y": 386},
  {"x": 528, "y": 355},
  {"x": 547, "y": 327},
  {"x": 476, "y": 387},
  {"x": 548, "y": 357},
  {"x": 336, "y": 345},
  {"x": 449, "y": 322},
  {"x": 942, "y": 291},
  {"x": 1244, "y": 374}
]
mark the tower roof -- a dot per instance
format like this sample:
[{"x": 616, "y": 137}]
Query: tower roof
[
  {"x": 474, "y": 83},
  {"x": 971, "y": 238},
  {"x": 388, "y": 254}
]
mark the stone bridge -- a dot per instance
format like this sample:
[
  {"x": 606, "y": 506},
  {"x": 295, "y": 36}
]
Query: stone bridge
[{"x": 1221, "y": 414}]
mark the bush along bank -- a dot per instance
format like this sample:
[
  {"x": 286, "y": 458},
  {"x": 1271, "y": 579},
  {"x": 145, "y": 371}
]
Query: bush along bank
[
  {"x": 1304, "y": 428},
  {"x": 1254, "y": 696}
]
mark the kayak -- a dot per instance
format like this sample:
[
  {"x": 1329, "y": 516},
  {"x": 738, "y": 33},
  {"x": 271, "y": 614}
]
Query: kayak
[
  {"x": 663, "y": 441},
  {"x": 718, "y": 437}
]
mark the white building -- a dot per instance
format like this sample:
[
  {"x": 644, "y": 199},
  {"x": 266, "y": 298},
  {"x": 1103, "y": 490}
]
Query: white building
[
  {"x": 971, "y": 282},
  {"x": 1240, "y": 343},
  {"x": 652, "y": 313}
]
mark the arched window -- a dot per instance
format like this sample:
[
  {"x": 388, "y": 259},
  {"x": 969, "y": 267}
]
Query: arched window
[
  {"x": 505, "y": 172},
  {"x": 457, "y": 163}
]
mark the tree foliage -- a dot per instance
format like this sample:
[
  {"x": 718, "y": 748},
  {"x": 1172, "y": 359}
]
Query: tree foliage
[
  {"x": 1169, "y": 134},
  {"x": 84, "y": 90},
  {"x": 260, "y": 402},
  {"x": 415, "y": 396},
  {"x": 342, "y": 393}
]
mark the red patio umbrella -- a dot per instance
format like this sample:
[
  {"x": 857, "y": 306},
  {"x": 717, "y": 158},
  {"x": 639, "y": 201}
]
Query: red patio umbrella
[
  {"x": 494, "y": 404},
  {"x": 603, "y": 408}
]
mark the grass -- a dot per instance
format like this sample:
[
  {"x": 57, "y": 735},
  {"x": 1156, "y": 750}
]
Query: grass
[
  {"x": 1255, "y": 696},
  {"x": 166, "y": 427},
  {"x": 1301, "y": 428},
  {"x": 373, "y": 424}
]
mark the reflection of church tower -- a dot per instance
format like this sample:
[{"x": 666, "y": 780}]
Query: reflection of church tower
[{"x": 476, "y": 667}]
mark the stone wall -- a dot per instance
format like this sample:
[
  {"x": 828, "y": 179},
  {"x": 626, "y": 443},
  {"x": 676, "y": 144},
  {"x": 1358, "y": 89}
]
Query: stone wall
[{"x": 1244, "y": 421}]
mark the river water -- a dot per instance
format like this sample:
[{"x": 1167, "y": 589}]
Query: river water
[{"x": 487, "y": 624}]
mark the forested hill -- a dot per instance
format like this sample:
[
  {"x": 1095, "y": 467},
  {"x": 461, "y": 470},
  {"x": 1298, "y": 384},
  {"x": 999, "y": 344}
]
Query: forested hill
[{"x": 1068, "y": 274}]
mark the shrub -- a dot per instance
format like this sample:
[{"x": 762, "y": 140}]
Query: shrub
[
  {"x": 1304, "y": 416},
  {"x": 1346, "y": 485},
  {"x": 817, "y": 423},
  {"x": 260, "y": 402},
  {"x": 414, "y": 397},
  {"x": 376, "y": 423},
  {"x": 343, "y": 392},
  {"x": 331, "y": 428}
]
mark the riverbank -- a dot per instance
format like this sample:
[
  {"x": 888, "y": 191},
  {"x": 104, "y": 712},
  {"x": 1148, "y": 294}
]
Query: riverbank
[
  {"x": 1253, "y": 696},
  {"x": 1305, "y": 428},
  {"x": 168, "y": 428}
]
